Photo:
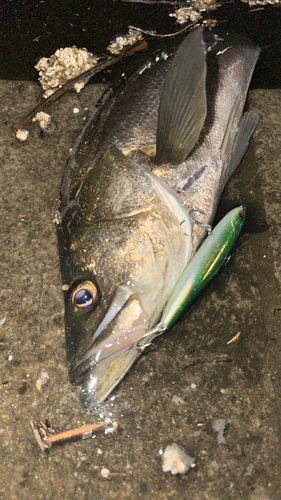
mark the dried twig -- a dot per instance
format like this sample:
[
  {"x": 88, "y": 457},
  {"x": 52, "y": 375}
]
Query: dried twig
[
  {"x": 236, "y": 337},
  {"x": 107, "y": 474},
  {"x": 85, "y": 76},
  {"x": 179, "y": 32},
  {"x": 77, "y": 432},
  {"x": 38, "y": 438},
  {"x": 209, "y": 358},
  {"x": 117, "y": 474},
  {"x": 151, "y": 2},
  {"x": 44, "y": 440}
]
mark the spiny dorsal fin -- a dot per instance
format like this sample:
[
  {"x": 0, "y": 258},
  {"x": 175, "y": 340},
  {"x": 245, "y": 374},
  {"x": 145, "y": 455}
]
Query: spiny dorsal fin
[{"x": 182, "y": 109}]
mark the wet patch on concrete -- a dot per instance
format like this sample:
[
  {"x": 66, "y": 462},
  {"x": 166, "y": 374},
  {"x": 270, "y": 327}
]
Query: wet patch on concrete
[{"x": 219, "y": 402}]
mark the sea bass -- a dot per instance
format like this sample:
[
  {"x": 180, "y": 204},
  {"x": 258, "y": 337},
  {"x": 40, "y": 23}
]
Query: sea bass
[{"x": 155, "y": 158}]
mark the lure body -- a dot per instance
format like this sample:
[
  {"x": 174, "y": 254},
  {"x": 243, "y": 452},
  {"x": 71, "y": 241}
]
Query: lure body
[{"x": 202, "y": 268}]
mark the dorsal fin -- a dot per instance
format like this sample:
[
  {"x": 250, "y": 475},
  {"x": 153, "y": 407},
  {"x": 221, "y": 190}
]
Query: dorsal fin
[{"x": 182, "y": 109}]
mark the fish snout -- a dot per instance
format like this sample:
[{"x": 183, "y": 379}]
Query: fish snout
[{"x": 110, "y": 355}]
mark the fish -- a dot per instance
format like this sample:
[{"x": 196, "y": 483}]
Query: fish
[{"x": 139, "y": 194}]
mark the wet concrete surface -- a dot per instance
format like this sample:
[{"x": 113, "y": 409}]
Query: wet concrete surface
[{"x": 220, "y": 402}]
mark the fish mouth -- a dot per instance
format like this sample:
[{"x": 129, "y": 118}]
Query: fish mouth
[{"x": 113, "y": 350}]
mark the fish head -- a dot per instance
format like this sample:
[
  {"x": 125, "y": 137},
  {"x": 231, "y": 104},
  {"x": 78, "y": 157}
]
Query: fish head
[{"x": 121, "y": 255}]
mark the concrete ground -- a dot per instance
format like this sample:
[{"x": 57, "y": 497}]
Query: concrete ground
[{"x": 220, "y": 402}]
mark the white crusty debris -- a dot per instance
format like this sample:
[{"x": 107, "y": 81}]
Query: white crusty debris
[
  {"x": 62, "y": 66},
  {"x": 260, "y": 2},
  {"x": 117, "y": 45},
  {"x": 43, "y": 119},
  {"x": 176, "y": 460},
  {"x": 22, "y": 134},
  {"x": 219, "y": 426},
  {"x": 192, "y": 12},
  {"x": 70, "y": 62},
  {"x": 185, "y": 14}
]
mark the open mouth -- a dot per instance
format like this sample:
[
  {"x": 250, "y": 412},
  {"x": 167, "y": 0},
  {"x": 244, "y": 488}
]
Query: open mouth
[{"x": 113, "y": 349}]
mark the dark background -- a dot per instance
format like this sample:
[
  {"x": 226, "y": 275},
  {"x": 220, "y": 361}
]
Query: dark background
[{"x": 32, "y": 29}]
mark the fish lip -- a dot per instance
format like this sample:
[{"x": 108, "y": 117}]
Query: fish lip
[
  {"x": 86, "y": 397},
  {"x": 92, "y": 382},
  {"x": 109, "y": 356},
  {"x": 76, "y": 377},
  {"x": 101, "y": 379},
  {"x": 80, "y": 370},
  {"x": 87, "y": 359},
  {"x": 89, "y": 389}
]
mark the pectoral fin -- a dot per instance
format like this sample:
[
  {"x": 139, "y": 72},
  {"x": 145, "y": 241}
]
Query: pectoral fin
[{"x": 182, "y": 109}]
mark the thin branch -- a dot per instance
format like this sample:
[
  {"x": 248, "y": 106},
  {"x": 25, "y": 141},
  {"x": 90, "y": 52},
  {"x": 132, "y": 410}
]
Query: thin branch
[
  {"x": 236, "y": 337},
  {"x": 117, "y": 474},
  {"x": 209, "y": 358},
  {"x": 166, "y": 2},
  {"x": 45, "y": 437},
  {"x": 152, "y": 33},
  {"x": 77, "y": 432},
  {"x": 85, "y": 76},
  {"x": 38, "y": 438}
]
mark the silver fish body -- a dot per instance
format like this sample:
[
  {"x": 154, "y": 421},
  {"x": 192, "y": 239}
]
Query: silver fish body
[
  {"x": 200, "y": 180},
  {"x": 126, "y": 232}
]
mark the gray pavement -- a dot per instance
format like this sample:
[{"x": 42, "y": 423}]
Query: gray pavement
[{"x": 226, "y": 414}]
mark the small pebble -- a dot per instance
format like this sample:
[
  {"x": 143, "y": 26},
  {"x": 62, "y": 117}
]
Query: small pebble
[
  {"x": 177, "y": 400},
  {"x": 42, "y": 379},
  {"x": 214, "y": 465},
  {"x": 249, "y": 470},
  {"x": 105, "y": 473}
]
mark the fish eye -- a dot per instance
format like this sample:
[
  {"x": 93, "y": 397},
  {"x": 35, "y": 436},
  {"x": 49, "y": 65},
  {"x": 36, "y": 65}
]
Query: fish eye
[{"x": 84, "y": 296}]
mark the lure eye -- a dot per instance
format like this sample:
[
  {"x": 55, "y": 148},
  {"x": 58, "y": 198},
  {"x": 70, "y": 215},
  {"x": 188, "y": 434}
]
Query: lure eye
[
  {"x": 84, "y": 296},
  {"x": 242, "y": 215}
]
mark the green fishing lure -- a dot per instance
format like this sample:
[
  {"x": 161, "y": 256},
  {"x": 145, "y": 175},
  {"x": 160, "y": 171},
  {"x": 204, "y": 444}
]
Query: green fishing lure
[{"x": 200, "y": 271}]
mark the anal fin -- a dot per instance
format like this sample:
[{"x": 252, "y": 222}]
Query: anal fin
[
  {"x": 247, "y": 127},
  {"x": 239, "y": 142}
]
